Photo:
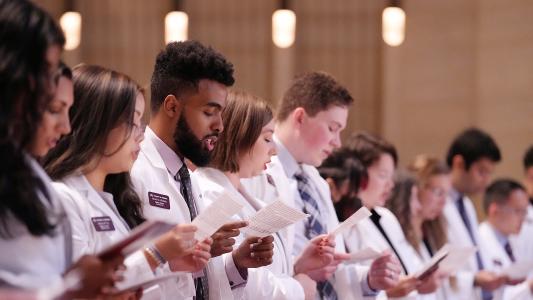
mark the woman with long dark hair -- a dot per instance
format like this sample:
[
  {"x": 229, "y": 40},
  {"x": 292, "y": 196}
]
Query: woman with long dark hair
[
  {"x": 92, "y": 166},
  {"x": 34, "y": 232}
]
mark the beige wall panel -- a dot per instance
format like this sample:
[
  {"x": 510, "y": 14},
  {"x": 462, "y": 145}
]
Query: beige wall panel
[
  {"x": 241, "y": 31},
  {"x": 429, "y": 81},
  {"x": 341, "y": 37},
  {"x": 506, "y": 78}
]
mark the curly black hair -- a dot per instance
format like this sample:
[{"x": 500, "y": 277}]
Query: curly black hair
[{"x": 181, "y": 65}]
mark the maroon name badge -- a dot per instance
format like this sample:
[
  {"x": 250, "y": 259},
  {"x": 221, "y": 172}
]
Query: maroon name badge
[
  {"x": 159, "y": 200},
  {"x": 103, "y": 223}
]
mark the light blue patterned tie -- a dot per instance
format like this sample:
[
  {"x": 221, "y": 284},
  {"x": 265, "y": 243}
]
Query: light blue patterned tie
[{"x": 313, "y": 226}]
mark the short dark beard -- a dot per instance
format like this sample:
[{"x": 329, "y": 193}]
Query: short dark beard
[{"x": 188, "y": 145}]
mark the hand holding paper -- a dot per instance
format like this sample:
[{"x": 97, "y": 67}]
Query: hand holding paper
[
  {"x": 272, "y": 218},
  {"x": 518, "y": 270},
  {"x": 317, "y": 254},
  {"x": 177, "y": 242},
  {"x": 215, "y": 215},
  {"x": 224, "y": 237},
  {"x": 357, "y": 217}
]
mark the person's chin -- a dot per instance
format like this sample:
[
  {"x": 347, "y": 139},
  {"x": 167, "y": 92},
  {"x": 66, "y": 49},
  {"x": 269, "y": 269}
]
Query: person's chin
[
  {"x": 317, "y": 160},
  {"x": 42, "y": 151}
]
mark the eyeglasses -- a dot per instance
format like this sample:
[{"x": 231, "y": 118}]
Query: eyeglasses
[
  {"x": 436, "y": 191},
  {"x": 521, "y": 212},
  {"x": 138, "y": 130}
]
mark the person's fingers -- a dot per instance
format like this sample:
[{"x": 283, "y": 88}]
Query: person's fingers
[
  {"x": 202, "y": 254},
  {"x": 322, "y": 250},
  {"x": 207, "y": 241},
  {"x": 262, "y": 254},
  {"x": 185, "y": 228},
  {"x": 226, "y": 242},
  {"x": 341, "y": 256},
  {"x": 203, "y": 247},
  {"x": 267, "y": 239},
  {"x": 233, "y": 225},
  {"x": 261, "y": 247},
  {"x": 221, "y": 235},
  {"x": 117, "y": 277}
]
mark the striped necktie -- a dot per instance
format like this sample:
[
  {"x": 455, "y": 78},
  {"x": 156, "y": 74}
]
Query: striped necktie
[
  {"x": 183, "y": 176},
  {"x": 314, "y": 225}
]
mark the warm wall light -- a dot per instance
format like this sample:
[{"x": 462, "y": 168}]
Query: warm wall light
[
  {"x": 283, "y": 28},
  {"x": 176, "y": 26},
  {"x": 393, "y": 26},
  {"x": 70, "y": 22}
]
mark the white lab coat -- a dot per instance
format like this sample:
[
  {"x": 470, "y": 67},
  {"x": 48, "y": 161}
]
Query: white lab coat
[
  {"x": 149, "y": 174},
  {"x": 349, "y": 279},
  {"x": 523, "y": 242},
  {"x": 83, "y": 203},
  {"x": 463, "y": 285},
  {"x": 497, "y": 259},
  {"x": 366, "y": 234},
  {"x": 31, "y": 262},
  {"x": 213, "y": 183}
]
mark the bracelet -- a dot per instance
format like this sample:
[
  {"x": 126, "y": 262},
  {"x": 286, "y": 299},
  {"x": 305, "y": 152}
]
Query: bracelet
[{"x": 156, "y": 255}]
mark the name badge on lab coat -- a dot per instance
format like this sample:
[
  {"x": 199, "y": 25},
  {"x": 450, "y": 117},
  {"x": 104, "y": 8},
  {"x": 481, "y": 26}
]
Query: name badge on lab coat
[
  {"x": 103, "y": 223},
  {"x": 159, "y": 200}
]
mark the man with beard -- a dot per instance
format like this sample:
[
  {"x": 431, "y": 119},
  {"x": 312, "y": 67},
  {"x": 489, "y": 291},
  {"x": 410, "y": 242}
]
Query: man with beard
[{"x": 188, "y": 92}]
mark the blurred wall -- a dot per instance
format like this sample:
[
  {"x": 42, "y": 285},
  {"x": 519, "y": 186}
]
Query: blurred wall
[{"x": 463, "y": 63}]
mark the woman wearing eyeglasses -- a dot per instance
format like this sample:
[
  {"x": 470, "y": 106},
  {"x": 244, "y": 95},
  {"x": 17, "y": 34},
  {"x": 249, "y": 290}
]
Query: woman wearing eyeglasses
[
  {"x": 92, "y": 164},
  {"x": 417, "y": 201}
]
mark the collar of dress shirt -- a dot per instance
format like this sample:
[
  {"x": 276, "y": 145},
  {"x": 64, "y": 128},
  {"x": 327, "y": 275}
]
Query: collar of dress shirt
[
  {"x": 453, "y": 194},
  {"x": 170, "y": 158},
  {"x": 502, "y": 239},
  {"x": 290, "y": 165}
]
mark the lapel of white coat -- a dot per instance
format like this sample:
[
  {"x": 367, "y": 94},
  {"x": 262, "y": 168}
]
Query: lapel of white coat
[
  {"x": 89, "y": 194},
  {"x": 285, "y": 194},
  {"x": 165, "y": 183}
]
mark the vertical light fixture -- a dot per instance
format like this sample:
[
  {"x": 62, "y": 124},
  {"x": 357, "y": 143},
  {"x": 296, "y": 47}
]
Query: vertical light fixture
[
  {"x": 283, "y": 25},
  {"x": 70, "y": 23},
  {"x": 176, "y": 23},
  {"x": 393, "y": 24}
]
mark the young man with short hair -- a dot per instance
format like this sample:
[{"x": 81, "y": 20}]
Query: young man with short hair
[
  {"x": 312, "y": 114},
  {"x": 505, "y": 204},
  {"x": 472, "y": 157},
  {"x": 188, "y": 93}
]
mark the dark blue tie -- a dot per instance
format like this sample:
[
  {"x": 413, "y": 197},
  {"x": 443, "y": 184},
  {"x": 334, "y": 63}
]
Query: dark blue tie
[
  {"x": 462, "y": 211},
  {"x": 509, "y": 251},
  {"x": 314, "y": 226},
  {"x": 183, "y": 176}
]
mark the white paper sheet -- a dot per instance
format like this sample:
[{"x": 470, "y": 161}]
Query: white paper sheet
[
  {"x": 367, "y": 253},
  {"x": 357, "y": 217},
  {"x": 457, "y": 257},
  {"x": 518, "y": 270},
  {"x": 215, "y": 215},
  {"x": 272, "y": 218}
]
